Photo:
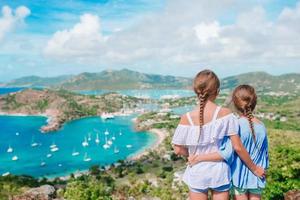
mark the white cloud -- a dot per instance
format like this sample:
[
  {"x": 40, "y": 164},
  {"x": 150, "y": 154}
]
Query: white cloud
[
  {"x": 187, "y": 33},
  {"x": 81, "y": 40},
  {"x": 206, "y": 31},
  {"x": 10, "y": 19}
]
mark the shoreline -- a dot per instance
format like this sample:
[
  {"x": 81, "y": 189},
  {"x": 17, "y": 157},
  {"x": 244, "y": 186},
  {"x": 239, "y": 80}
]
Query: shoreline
[{"x": 161, "y": 135}]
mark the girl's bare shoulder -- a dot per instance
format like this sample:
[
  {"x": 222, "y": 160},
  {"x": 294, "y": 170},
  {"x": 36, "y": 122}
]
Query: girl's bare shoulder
[
  {"x": 184, "y": 120},
  {"x": 223, "y": 112}
]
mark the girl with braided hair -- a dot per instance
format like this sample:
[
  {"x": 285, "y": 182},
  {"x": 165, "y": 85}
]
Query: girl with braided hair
[
  {"x": 253, "y": 135},
  {"x": 200, "y": 134}
]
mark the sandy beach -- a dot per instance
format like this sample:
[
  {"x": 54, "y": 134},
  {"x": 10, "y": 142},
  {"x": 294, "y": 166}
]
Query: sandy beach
[{"x": 161, "y": 134}]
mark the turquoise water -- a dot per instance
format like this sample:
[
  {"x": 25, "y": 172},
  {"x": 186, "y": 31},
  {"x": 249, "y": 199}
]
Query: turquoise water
[
  {"x": 68, "y": 139},
  {"x": 147, "y": 93},
  {"x": 9, "y": 90}
]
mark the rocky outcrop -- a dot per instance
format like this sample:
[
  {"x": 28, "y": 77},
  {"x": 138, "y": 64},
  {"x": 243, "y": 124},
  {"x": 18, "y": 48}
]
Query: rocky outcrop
[
  {"x": 292, "y": 195},
  {"x": 45, "y": 192}
]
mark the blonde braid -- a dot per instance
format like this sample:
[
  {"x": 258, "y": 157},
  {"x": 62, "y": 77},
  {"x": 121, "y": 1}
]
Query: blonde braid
[
  {"x": 202, "y": 100},
  {"x": 249, "y": 115}
]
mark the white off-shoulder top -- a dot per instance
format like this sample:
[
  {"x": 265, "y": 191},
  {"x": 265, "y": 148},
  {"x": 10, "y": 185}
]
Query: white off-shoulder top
[{"x": 206, "y": 174}]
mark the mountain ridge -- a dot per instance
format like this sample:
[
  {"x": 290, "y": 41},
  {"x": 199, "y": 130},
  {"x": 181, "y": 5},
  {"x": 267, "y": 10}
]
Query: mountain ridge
[{"x": 129, "y": 79}]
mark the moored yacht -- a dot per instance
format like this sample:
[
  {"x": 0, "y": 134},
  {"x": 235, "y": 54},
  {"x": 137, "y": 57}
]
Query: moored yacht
[
  {"x": 15, "y": 158},
  {"x": 85, "y": 142},
  {"x": 86, "y": 158},
  {"x": 107, "y": 116},
  {"x": 97, "y": 140},
  {"x": 75, "y": 153},
  {"x": 9, "y": 150}
]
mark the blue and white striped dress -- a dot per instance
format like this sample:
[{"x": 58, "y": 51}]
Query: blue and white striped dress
[{"x": 206, "y": 175}]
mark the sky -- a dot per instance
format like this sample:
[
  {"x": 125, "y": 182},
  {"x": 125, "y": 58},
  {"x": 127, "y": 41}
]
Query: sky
[{"x": 170, "y": 37}]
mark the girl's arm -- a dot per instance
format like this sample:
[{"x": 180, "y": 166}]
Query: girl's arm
[
  {"x": 225, "y": 153},
  {"x": 212, "y": 157},
  {"x": 244, "y": 155}
]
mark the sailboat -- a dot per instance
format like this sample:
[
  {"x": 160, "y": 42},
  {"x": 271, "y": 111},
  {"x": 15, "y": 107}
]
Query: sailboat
[
  {"x": 106, "y": 132},
  {"x": 17, "y": 133},
  {"x": 6, "y": 174},
  {"x": 33, "y": 143},
  {"x": 54, "y": 149},
  {"x": 89, "y": 138},
  {"x": 49, "y": 155},
  {"x": 113, "y": 137},
  {"x": 128, "y": 146},
  {"x": 15, "y": 158},
  {"x": 105, "y": 146},
  {"x": 97, "y": 139},
  {"x": 85, "y": 142},
  {"x": 109, "y": 142},
  {"x": 53, "y": 145},
  {"x": 116, "y": 150},
  {"x": 120, "y": 133},
  {"x": 9, "y": 150},
  {"x": 75, "y": 153},
  {"x": 86, "y": 158},
  {"x": 43, "y": 164}
]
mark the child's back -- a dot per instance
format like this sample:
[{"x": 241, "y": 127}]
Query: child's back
[{"x": 258, "y": 150}]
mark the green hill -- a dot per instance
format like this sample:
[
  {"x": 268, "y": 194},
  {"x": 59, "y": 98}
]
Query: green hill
[
  {"x": 128, "y": 79},
  {"x": 36, "y": 81},
  {"x": 123, "y": 79},
  {"x": 264, "y": 82}
]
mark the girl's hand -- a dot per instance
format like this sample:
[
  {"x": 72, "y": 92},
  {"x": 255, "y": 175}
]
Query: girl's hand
[
  {"x": 259, "y": 172},
  {"x": 193, "y": 159}
]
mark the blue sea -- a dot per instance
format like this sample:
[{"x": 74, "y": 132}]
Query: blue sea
[
  {"x": 145, "y": 93},
  {"x": 4, "y": 90},
  {"x": 21, "y": 132}
]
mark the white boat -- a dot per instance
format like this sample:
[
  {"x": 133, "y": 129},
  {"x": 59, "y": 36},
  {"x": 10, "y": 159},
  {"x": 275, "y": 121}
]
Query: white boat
[
  {"x": 97, "y": 139},
  {"x": 89, "y": 138},
  {"x": 113, "y": 137},
  {"x": 49, "y": 155},
  {"x": 86, "y": 158},
  {"x": 106, "y": 132},
  {"x": 85, "y": 142},
  {"x": 43, "y": 164},
  {"x": 107, "y": 116},
  {"x": 17, "y": 133},
  {"x": 128, "y": 146},
  {"x": 109, "y": 142},
  {"x": 10, "y": 150},
  {"x": 75, "y": 153},
  {"x": 60, "y": 165},
  {"x": 33, "y": 143},
  {"x": 116, "y": 150},
  {"x": 53, "y": 145},
  {"x": 120, "y": 133},
  {"x": 6, "y": 174},
  {"x": 15, "y": 158},
  {"x": 106, "y": 145},
  {"x": 54, "y": 149}
]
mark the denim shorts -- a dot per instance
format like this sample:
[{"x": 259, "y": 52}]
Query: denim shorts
[{"x": 223, "y": 188}]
